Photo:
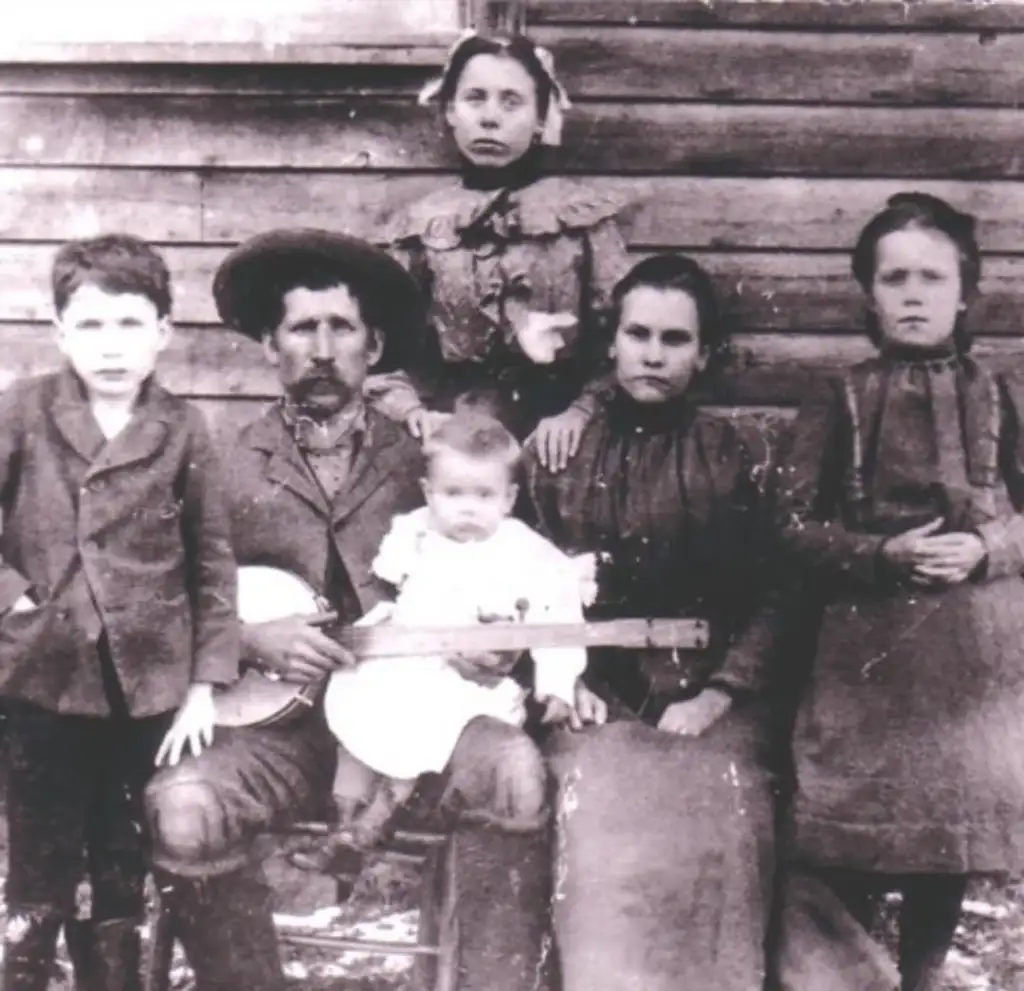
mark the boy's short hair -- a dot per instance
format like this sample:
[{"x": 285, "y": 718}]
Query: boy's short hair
[
  {"x": 474, "y": 435},
  {"x": 115, "y": 263}
]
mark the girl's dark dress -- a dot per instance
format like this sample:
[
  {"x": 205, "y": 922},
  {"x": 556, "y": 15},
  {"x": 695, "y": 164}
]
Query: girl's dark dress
[
  {"x": 665, "y": 841},
  {"x": 909, "y": 743}
]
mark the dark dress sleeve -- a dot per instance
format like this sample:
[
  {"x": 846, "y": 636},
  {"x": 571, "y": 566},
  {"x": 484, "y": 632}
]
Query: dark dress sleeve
[
  {"x": 1004, "y": 537},
  {"x": 764, "y": 587},
  {"x": 809, "y": 492}
]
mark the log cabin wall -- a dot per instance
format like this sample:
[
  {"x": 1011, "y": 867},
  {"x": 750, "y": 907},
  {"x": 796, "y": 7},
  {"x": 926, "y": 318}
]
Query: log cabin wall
[{"x": 762, "y": 136}]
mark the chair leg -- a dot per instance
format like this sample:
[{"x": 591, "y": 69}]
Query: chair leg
[
  {"x": 425, "y": 967},
  {"x": 159, "y": 949}
]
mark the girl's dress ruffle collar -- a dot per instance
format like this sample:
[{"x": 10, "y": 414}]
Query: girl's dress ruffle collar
[{"x": 550, "y": 206}]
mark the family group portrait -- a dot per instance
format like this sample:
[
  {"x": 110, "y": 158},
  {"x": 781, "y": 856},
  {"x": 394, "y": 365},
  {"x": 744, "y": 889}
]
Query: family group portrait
[{"x": 512, "y": 495}]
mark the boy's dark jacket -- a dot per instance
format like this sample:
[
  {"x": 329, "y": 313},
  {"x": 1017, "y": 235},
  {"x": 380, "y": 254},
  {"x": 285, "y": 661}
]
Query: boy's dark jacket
[{"x": 131, "y": 539}]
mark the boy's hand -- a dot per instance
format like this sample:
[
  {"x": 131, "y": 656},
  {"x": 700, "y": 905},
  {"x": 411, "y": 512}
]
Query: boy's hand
[
  {"x": 423, "y": 422},
  {"x": 193, "y": 725},
  {"x": 297, "y": 650},
  {"x": 557, "y": 438},
  {"x": 696, "y": 716}
]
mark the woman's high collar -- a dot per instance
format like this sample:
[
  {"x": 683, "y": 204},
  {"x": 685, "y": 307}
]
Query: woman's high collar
[
  {"x": 522, "y": 172},
  {"x": 627, "y": 414}
]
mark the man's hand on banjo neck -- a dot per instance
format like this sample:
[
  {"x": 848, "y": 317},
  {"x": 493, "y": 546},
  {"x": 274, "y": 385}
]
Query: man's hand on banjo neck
[{"x": 295, "y": 648}]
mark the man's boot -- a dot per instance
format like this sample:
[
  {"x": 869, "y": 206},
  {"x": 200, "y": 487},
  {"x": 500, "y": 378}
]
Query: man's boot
[
  {"x": 226, "y": 928},
  {"x": 79, "y": 941},
  {"x": 500, "y": 883},
  {"x": 30, "y": 949}
]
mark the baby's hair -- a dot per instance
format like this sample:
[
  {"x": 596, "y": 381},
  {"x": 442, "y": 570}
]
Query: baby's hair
[
  {"x": 475, "y": 435},
  {"x": 115, "y": 263},
  {"x": 920, "y": 211}
]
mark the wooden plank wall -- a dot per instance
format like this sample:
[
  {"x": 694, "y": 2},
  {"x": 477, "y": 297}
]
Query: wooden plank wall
[{"x": 761, "y": 134}]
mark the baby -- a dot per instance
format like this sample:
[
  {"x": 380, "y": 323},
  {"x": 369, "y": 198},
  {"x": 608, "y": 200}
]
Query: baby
[{"x": 458, "y": 561}]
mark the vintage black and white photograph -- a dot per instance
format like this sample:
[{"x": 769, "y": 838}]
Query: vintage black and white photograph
[{"x": 512, "y": 495}]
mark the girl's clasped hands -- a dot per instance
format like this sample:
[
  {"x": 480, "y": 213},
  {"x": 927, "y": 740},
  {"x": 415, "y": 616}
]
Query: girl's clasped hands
[{"x": 930, "y": 558}]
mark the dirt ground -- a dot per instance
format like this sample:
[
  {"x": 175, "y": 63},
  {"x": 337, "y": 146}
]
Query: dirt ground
[{"x": 988, "y": 954}]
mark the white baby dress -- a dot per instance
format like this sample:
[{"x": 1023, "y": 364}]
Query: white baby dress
[{"x": 402, "y": 716}]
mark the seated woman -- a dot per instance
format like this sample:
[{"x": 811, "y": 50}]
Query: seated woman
[{"x": 665, "y": 874}]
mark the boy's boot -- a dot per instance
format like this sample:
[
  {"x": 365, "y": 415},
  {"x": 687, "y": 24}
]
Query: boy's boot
[{"x": 30, "y": 949}]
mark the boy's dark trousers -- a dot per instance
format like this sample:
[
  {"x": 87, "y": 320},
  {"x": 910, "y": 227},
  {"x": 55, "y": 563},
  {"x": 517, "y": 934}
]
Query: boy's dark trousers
[{"x": 74, "y": 805}]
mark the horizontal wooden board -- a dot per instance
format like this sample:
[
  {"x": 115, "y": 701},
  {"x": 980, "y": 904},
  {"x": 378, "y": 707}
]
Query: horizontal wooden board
[
  {"x": 795, "y": 292},
  {"x": 202, "y": 79},
  {"x": 57, "y": 204},
  {"x": 226, "y": 206},
  {"x": 612, "y": 63},
  {"x": 200, "y": 132},
  {"x": 947, "y": 15},
  {"x": 669, "y": 212},
  {"x": 223, "y": 370},
  {"x": 790, "y": 66}
]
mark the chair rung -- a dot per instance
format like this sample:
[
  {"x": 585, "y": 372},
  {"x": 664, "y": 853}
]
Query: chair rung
[
  {"x": 416, "y": 836},
  {"x": 370, "y": 946}
]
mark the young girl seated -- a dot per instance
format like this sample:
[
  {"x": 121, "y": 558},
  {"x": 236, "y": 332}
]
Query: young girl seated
[{"x": 460, "y": 560}]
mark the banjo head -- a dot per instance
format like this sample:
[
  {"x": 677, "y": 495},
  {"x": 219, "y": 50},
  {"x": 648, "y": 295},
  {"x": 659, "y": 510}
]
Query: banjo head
[{"x": 266, "y": 593}]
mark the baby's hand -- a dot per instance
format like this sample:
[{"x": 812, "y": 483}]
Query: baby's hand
[
  {"x": 557, "y": 712},
  {"x": 586, "y": 571}
]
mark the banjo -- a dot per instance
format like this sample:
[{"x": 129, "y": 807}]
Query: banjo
[{"x": 259, "y": 698}]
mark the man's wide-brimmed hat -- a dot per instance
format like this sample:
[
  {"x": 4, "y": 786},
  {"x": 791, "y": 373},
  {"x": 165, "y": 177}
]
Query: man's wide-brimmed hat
[{"x": 252, "y": 279}]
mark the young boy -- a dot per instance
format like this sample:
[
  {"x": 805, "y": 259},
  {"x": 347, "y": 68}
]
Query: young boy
[
  {"x": 117, "y": 607},
  {"x": 458, "y": 561}
]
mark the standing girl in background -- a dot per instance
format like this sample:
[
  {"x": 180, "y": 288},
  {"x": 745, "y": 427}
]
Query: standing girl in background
[
  {"x": 517, "y": 265},
  {"x": 902, "y": 501}
]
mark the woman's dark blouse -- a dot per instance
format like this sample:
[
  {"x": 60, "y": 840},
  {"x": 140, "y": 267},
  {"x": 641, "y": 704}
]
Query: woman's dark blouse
[{"x": 670, "y": 499}]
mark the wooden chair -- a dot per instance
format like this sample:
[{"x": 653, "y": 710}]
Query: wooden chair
[{"x": 434, "y": 953}]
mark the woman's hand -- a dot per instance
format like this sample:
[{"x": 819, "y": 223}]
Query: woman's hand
[
  {"x": 557, "y": 438},
  {"x": 696, "y": 716},
  {"x": 588, "y": 709},
  {"x": 193, "y": 726},
  {"x": 297, "y": 650}
]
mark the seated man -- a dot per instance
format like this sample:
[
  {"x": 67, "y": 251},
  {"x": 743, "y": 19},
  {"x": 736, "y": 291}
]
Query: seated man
[{"x": 316, "y": 482}]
